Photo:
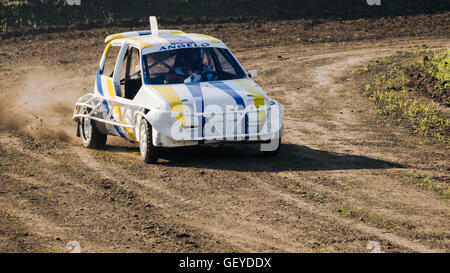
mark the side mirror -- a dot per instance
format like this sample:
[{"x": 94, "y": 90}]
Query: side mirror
[{"x": 252, "y": 74}]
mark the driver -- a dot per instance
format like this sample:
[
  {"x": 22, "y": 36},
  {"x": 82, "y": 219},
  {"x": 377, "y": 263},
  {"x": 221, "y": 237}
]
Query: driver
[{"x": 189, "y": 67}]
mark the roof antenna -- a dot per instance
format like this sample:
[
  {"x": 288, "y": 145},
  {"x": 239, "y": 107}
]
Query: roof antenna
[{"x": 154, "y": 26}]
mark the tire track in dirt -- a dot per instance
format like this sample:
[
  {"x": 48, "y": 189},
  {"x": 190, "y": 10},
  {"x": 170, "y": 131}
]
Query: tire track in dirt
[
  {"x": 35, "y": 187},
  {"x": 352, "y": 224},
  {"x": 175, "y": 203},
  {"x": 153, "y": 194},
  {"x": 58, "y": 204},
  {"x": 242, "y": 235}
]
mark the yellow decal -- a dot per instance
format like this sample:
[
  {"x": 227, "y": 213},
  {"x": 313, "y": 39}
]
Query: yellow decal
[
  {"x": 140, "y": 42},
  {"x": 212, "y": 39},
  {"x": 112, "y": 94},
  {"x": 108, "y": 47},
  {"x": 252, "y": 89},
  {"x": 262, "y": 119},
  {"x": 113, "y": 37},
  {"x": 130, "y": 133},
  {"x": 167, "y": 92},
  {"x": 110, "y": 87},
  {"x": 258, "y": 97}
]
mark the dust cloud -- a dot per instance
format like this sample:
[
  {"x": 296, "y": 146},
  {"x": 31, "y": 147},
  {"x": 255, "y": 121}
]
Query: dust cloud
[{"x": 41, "y": 104}]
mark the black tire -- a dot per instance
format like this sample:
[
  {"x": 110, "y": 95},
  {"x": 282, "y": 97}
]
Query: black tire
[
  {"x": 272, "y": 153},
  {"x": 90, "y": 136},
  {"x": 149, "y": 152}
]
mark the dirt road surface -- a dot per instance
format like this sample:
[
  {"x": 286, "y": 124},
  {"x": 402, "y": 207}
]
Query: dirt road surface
[{"x": 344, "y": 176}]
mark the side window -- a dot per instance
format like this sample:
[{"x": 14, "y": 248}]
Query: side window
[
  {"x": 159, "y": 65},
  {"x": 135, "y": 64},
  {"x": 131, "y": 67},
  {"x": 110, "y": 62},
  {"x": 226, "y": 65},
  {"x": 130, "y": 74},
  {"x": 125, "y": 66}
]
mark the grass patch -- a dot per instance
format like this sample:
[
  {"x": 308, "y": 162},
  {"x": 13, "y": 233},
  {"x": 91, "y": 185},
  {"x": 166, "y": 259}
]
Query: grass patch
[
  {"x": 371, "y": 218},
  {"x": 304, "y": 191},
  {"x": 404, "y": 87},
  {"x": 429, "y": 183},
  {"x": 439, "y": 69}
]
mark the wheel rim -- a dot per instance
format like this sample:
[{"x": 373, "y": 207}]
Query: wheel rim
[
  {"x": 143, "y": 140},
  {"x": 86, "y": 129}
]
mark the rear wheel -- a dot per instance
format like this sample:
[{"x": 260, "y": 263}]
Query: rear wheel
[
  {"x": 274, "y": 152},
  {"x": 149, "y": 152},
  {"x": 90, "y": 136}
]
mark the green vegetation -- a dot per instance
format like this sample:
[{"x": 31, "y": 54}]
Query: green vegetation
[
  {"x": 439, "y": 69},
  {"x": 369, "y": 217},
  {"x": 37, "y": 13},
  {"x": 426, "y": 182},
  {"x": 404, "y": 87}
]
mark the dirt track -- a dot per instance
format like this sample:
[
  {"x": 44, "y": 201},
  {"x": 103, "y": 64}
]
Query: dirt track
[{"x": 342, "y": 179}]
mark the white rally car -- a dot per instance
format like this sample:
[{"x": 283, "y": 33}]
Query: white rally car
[{"x": 167, "y": 88}]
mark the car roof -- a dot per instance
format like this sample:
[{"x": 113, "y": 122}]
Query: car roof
[{"x": 145, "y": 38}]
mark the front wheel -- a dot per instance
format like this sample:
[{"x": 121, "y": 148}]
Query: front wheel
[
  {"x": 274, "y": 152},
  {"x": 149, "y": 152},
  {"x": 90, "y": 136}
]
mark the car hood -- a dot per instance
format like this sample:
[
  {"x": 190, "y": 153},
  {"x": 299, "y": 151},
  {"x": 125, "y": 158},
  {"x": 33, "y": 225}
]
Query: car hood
[{"x": 206, "y": 97}]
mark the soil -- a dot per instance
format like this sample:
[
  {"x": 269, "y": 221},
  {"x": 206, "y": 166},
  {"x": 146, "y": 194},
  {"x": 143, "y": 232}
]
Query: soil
[{"x": 344, "y": 175}]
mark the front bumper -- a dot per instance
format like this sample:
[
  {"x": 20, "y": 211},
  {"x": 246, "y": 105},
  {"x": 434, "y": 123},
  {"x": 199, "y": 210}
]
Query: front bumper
[{"x": 248, "y": 125}]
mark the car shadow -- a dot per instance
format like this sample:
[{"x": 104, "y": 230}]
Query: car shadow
[{"x": 245, "y": 157}]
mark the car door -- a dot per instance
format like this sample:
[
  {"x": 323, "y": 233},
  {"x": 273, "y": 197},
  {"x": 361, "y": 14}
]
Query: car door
[
  {"x": 110, "y": 60},
  {"x": 108, "y": 85},
  {"x": 130, "y": 74}
]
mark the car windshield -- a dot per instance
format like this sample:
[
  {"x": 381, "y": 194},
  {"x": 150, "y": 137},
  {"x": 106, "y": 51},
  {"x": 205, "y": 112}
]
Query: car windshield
[{"x": 190, "y": 65}]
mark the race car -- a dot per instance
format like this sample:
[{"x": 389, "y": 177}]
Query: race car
[{"x": 168, "y": 88}]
